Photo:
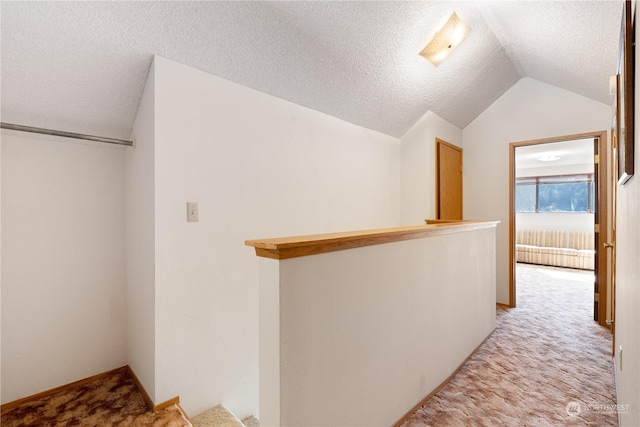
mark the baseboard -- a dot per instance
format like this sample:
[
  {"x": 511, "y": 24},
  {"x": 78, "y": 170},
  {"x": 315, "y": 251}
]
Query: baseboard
[
  {"x": 441, "y": 386},
  {"x": 615, "y": 383},
  {"x": 172, "y": 401},
  {"x": 150, "y": 404},
  {"x": 10, "y": 405},
  {"x": 141, "y": 389},
  {"x": 184, "y": 412},
  {"x": 503, "y": 305}
]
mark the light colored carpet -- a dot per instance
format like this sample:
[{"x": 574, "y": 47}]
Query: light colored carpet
[
  {"x": 251, "y": 421},
  {"x": 547, "y": 363},
  {"x": 218, "y": 416}
]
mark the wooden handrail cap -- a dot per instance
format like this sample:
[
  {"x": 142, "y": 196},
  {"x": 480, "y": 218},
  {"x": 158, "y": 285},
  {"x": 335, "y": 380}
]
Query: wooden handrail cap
[{"x": 297, "y": 246}]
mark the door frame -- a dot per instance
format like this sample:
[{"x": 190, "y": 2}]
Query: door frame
[
  {"x": 439, "y": 143},
  {"x": 601, "y": 251}
]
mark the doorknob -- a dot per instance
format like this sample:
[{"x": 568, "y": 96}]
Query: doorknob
[
  {"x": 609, "y": 322},
  {"x": 608, "y": 245}
]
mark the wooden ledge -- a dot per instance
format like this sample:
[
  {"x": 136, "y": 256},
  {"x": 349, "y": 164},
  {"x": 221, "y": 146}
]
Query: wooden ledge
[{"x": 292, "y": 247}]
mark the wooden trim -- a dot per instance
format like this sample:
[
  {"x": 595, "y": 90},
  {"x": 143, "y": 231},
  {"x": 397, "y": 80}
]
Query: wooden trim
[
  {"x": 602, "y": 135},
  {"x": 512, "y": 225},
  {"x": 176, "y": 400},
  {"x": 184, "y": 412},
  {"x": 612, "y": 196},
  {"x": 152, "y": 406},
  {"x": 440, "y": 221},
  {"x": 10, "y": 405},
  {"x": 501, "y": 305},
  {"x": 166, "y": 404},
  {"x": 292, "y": 247},
  {"x": 138, "y": 384},
  {"x": 564, "y": 138},
  {"x": 441, "y": 386},
  {"x": 603, "y": 235}
]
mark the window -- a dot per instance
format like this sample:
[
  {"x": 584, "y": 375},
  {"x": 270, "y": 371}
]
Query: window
[
  {"x": 526, "y": 195},
  {"x": 566, "y": 193}
]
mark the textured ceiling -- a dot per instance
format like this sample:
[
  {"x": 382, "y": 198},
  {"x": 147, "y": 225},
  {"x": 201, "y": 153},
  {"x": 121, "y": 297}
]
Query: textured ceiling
[{"x": 81, "y": 66}]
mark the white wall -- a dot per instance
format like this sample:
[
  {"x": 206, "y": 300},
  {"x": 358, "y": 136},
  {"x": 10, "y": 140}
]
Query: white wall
[
  {"x": 628, "y": 295},
  {"x": 582, "y": 222},
  {"x": 63, "y": 293},
  {"x": 367, "y": 333},
  {"x": 529, "y": 110},
  {"x": 627, "y": 318},
  {"x": 1, "y": 268},
  {"x": 418, "y": 166},
  {"x": 140, "y": 242},
  {"x": 258, "y": 166},
  {"x": 554, "y": 170}
]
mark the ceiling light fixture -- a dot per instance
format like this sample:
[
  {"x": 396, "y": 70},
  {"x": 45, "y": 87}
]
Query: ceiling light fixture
[
  {"x": 445, "y": 40},
  {"x": 548, "y": 158}
]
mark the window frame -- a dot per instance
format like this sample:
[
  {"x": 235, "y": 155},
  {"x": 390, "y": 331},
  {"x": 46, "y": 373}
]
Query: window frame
[{"x": 587, "y": 178}]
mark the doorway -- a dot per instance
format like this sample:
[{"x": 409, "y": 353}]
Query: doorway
[
  {"x": 572, "y": 195},
  {"x": 448, "y": 181}
]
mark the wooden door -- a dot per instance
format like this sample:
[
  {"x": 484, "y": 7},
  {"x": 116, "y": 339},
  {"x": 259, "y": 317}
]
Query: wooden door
[
  {"x": 610, "y": 245},
  {"x": 600, "y": 234},
  {"x": 448, "y": 181}
]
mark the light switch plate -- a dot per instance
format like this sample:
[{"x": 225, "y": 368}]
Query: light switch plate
[{"x": 192, "y": 212}]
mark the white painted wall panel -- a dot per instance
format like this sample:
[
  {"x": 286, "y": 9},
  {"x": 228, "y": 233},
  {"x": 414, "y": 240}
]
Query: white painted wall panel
[
  {"x": 628, "y": 287},
  {"x": 258, "y": 166},
  {"x": 418, "y": 166},
  {"x": 140, "y": 242},
  {"x": 555, "y": 221},
  {"x": 63, "y": 266},
  {"x": 554, "y": 170},
  {"x": 1, "y": 266},
  {"x": 367, "y": 333}
]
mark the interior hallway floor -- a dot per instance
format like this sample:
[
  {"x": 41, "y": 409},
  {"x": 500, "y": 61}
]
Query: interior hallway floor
[
  {"x": 546, "y": 364},
  {"x": 113, "y": 400}
]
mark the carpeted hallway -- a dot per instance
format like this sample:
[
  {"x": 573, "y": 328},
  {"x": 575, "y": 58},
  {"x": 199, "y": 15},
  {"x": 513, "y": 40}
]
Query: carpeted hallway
[{"x": 547, "y": 363}]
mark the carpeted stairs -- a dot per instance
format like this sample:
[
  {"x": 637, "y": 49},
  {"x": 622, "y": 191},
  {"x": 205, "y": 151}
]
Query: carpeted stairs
[
  {"x": 109, "y": 401},
  {"x": 219, "y": 416}
]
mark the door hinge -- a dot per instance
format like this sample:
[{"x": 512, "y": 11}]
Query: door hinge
[
  {"x": 596, "y": 159},
  {"x": 614, "y": 141},
  {"x": 596, "y": 228}
]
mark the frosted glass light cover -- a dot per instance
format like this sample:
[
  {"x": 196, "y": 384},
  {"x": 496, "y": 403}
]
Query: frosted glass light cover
[{"x": 445, "y": 40}]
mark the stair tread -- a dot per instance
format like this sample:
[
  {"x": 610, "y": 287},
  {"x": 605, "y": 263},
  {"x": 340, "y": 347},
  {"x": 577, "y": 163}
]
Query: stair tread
[
  {"x": 251, "y": 421},
  {"x": 218, "y": 416}
]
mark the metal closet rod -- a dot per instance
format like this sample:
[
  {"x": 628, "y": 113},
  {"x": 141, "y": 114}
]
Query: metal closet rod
[{"x": 31, "y": 129}]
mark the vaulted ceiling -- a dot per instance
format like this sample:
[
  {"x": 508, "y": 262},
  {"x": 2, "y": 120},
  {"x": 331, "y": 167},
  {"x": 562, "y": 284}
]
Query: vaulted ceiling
[{"x": 81, "y": 66}]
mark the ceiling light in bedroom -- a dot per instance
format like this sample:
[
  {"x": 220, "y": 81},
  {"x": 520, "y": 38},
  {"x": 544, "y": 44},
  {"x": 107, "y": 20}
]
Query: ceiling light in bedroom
[{"x": 548, "y": 158}]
